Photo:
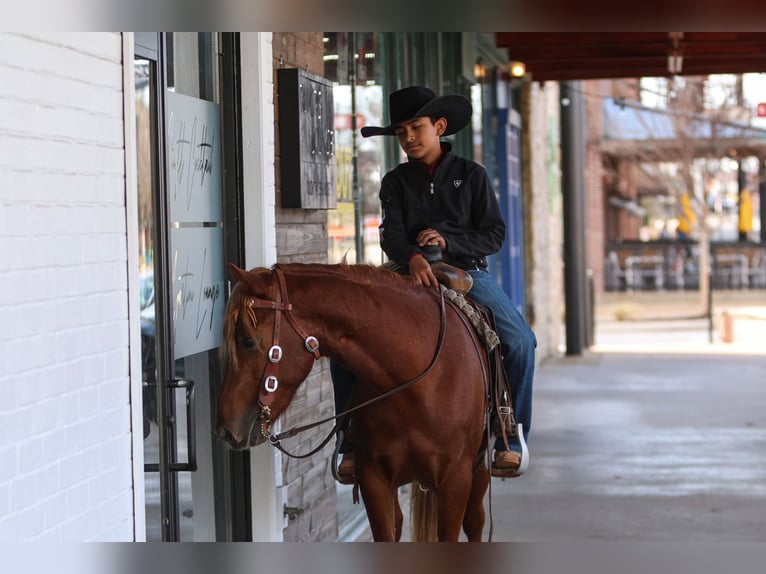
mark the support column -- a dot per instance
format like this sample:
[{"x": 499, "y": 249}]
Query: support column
[{"x": 578, "y": 312}]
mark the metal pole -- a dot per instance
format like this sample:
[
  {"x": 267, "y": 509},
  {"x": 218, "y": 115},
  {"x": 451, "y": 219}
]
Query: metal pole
[
  {"x": 356, "y": 196},
  {"x": 573, "y": 188}
]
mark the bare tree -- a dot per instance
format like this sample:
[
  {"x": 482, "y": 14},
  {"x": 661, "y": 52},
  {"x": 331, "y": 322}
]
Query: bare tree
[
  {"x": 696, "y": 132},
  {"x": 708, "y": 130}
]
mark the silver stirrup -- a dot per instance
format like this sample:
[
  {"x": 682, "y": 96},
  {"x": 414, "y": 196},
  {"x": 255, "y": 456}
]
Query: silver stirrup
[
  {"x": 524, "y": 450},
  {"x": 518, "y": 431},
  {"x": 504, "y": 473}
]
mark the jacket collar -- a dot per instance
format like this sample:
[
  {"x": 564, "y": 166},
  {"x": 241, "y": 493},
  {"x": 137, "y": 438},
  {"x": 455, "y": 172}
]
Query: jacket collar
[{"x": 446, "y": 152}]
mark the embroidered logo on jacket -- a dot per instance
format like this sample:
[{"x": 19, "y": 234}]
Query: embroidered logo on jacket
[{"x": 457, "y": 183}]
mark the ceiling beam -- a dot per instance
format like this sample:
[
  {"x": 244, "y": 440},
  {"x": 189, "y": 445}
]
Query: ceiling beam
[
  {"x": 602, "y": 55},
  {"x": 659, "y": 70}
]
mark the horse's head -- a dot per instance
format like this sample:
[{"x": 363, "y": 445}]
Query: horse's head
[{"x": 261, "y": 372}]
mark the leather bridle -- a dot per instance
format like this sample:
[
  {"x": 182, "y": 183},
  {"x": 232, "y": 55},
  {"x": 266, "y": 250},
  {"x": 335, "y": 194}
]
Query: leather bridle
[{"x": 270, "y": 381}]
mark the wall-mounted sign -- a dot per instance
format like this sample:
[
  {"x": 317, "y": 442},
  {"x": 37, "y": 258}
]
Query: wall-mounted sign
[
  {"x": 306, "y": 140},
  {"x": 762, "y": 110},
  {"x": 196, "y": 238},
  {"x": 194, "y": 147},
  {"x": 198, "y": 283}
]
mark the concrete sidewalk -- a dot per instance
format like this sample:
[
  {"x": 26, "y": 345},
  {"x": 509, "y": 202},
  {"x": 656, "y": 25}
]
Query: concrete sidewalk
[
  {"x": 643, "y": 446},
  {"x": 654, "y": 434}
]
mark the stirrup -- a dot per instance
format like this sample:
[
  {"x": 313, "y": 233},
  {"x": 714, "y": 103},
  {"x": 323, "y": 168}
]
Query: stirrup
[
  {"x": 523, "y": 463},
  {"x": 334, "y": 462}
]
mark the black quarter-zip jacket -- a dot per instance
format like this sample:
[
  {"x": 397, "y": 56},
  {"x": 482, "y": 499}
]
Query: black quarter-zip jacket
[{"x": 458, "y": 202}]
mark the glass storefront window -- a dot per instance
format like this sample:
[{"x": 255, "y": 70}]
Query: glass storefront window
[{"x": 353, "y": 59}]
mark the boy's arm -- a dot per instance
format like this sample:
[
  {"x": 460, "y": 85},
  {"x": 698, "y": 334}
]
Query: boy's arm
[
  {"x": 393, "y": 234},
  {"x": 487, "y": 233}
]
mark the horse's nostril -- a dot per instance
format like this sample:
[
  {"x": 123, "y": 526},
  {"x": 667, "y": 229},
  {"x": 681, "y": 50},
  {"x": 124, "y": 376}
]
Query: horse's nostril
[{"x": 225, "y": 435}]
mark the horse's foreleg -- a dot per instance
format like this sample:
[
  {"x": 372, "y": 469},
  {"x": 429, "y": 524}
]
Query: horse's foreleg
[
  {"x": 473, "y": 523},
  {"x": 381, "y": 504}
]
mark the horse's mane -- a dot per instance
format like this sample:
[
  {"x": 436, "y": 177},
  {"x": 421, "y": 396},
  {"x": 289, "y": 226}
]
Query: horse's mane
[
  {"x": 362, "y": 273},
  {"x": 236, "y": 306}
]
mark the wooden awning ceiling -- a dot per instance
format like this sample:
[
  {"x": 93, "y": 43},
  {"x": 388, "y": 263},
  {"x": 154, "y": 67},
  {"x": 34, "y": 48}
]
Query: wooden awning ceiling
[{"x": 600, "y": 55}]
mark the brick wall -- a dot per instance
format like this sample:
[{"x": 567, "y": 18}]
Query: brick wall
[
  {"x": 301, "y": 233},
  {"x": 302, "y": 237},
  {"x": 65, "y": 442},
  {"x": 595, "y": 216},
  {"x": 621, "y": 225}
]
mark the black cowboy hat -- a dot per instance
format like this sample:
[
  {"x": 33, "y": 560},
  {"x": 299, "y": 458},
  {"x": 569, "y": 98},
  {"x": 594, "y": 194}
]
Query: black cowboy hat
[{"x": 417, "y": 102}]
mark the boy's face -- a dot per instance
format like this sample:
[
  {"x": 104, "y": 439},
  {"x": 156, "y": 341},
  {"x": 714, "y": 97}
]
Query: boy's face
[{"x": 419, "y": 138}]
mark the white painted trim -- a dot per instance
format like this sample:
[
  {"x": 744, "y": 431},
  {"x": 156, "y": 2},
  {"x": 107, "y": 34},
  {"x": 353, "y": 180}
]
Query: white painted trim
[
  {"x": 259, "y": 220},
  {"x": 258, "y": 168},
  {"x": 134, "y": 306}
]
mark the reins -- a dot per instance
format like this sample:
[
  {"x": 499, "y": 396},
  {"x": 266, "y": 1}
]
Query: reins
[{"x": 270, "y": 381}]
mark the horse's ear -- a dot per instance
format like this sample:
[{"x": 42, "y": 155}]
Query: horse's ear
[
  {"x": 239, "y": 274},
  {"x": 253, "y": 279}
]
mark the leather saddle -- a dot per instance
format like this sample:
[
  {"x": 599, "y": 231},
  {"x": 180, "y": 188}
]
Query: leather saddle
[{"x": 451, "y": 277}]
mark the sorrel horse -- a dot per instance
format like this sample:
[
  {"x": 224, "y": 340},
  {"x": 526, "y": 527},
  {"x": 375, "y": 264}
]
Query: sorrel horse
[{"x": 389, "y": 332}]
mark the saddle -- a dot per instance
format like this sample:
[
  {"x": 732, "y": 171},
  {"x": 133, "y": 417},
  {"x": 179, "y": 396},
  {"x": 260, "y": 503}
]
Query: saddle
[{"x": 451, "y": 277}]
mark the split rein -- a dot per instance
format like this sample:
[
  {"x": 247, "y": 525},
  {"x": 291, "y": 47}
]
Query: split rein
[{"x": 270, "y": 382}]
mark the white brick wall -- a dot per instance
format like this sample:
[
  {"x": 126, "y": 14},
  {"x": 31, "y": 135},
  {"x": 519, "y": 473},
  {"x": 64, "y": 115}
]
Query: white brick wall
[{"x": 65, "y": 442}]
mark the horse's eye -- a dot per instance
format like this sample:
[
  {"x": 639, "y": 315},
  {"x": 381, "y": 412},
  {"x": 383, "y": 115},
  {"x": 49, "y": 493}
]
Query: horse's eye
[{"x": 249, "y": 343}]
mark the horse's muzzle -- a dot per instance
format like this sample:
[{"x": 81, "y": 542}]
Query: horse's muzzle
[
  {"x": 253, "y": 437},
  {"x": 226, "y": 435}
]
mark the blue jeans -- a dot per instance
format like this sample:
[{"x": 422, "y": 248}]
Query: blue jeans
[
  {"x": 343, "y": 385},
  {"x": 517, "y": 345}
]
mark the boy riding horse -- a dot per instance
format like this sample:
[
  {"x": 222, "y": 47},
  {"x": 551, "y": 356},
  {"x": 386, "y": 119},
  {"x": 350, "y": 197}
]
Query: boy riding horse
[{"x": 437, "y": 201}]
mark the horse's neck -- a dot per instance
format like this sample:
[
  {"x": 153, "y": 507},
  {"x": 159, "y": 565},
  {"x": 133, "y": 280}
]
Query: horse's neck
[
  {"x": 340, "y": 309},
  {"x": 365, "y": 322}
]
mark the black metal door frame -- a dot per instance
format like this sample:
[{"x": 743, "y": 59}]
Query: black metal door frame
[
  {"x": 149, "y": 46},
  {"x": 231, "y": 469}
]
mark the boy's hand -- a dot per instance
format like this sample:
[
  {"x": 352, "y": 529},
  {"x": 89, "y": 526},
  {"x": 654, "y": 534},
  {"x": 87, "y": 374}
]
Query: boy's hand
[
  {"x": 420, "y": 269},
  {"x": 431, "y": 237}
]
